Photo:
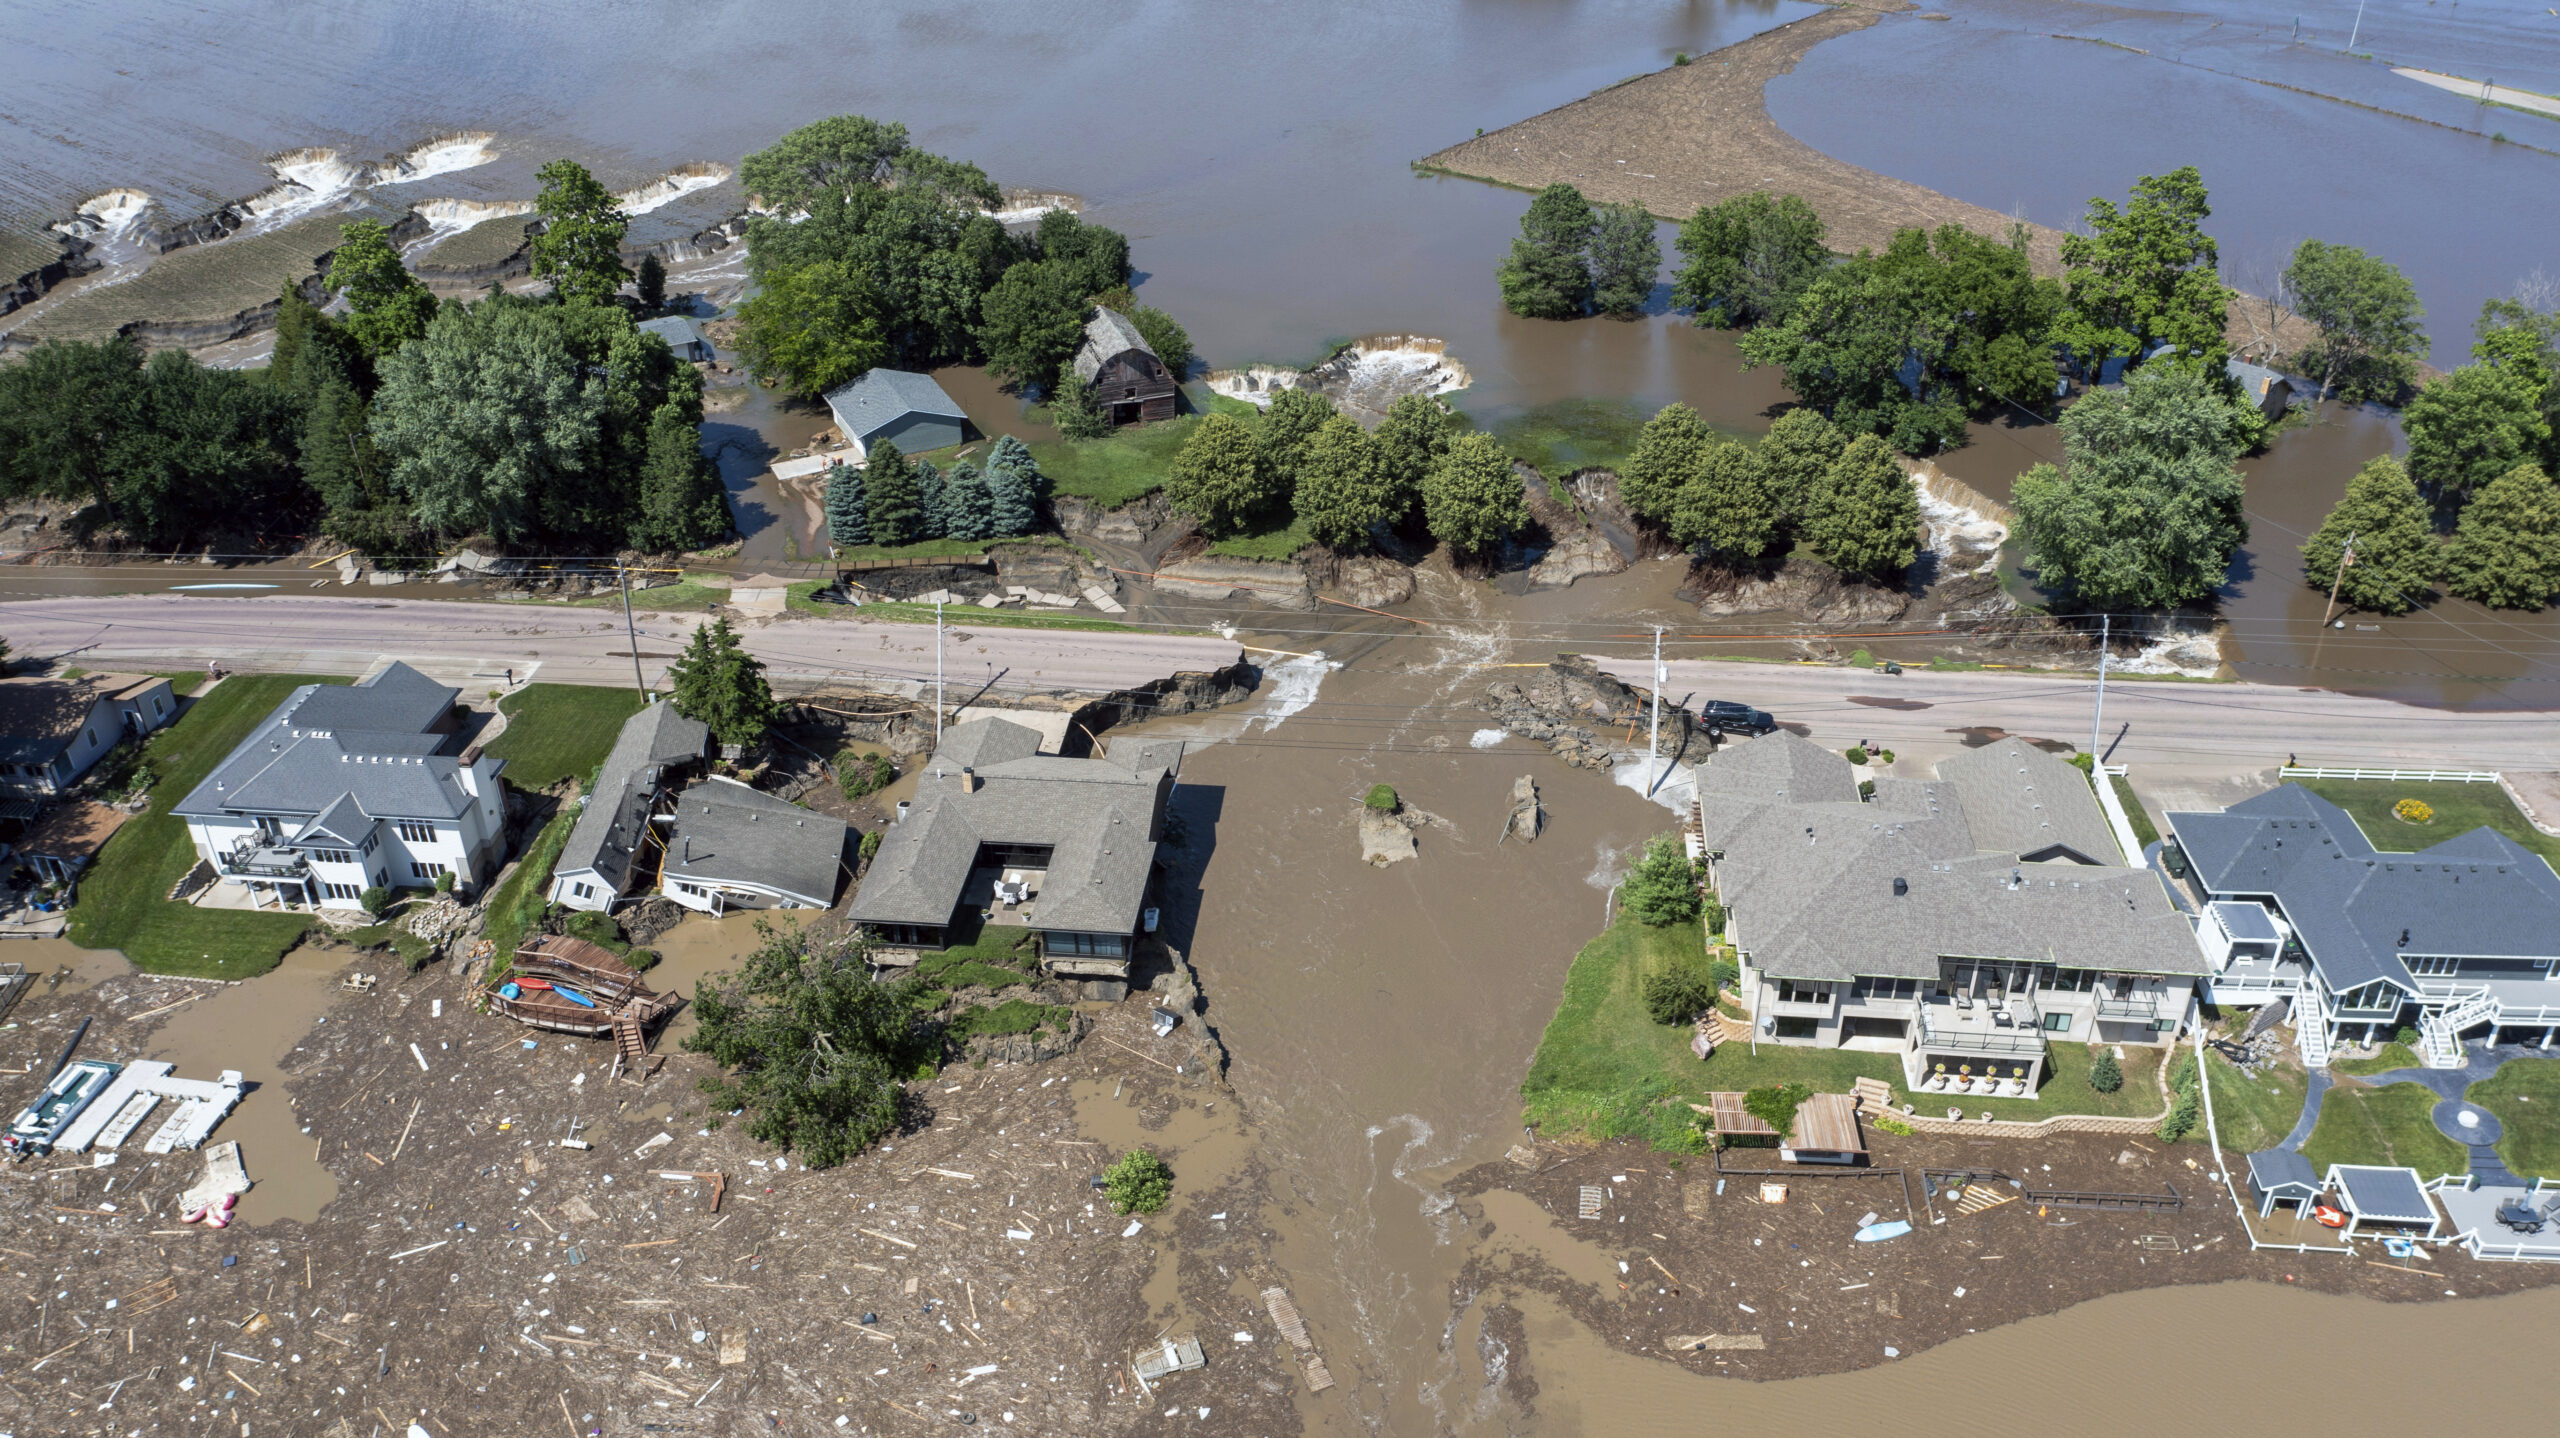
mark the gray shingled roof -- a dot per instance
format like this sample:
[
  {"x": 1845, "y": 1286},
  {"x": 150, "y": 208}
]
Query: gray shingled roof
[
  {"x": 2283, "y": 1171},
  {"x": 608, "y": 832},
  {"x": 2021, "y": 800},
  {"x": 371, "y": 742},
  {"x": 1107, "y": 336},
  {"x": 677, "y": 330},
  {"x": 1100, "y": 818},
  {"x": 38, "y": 715},
  {"x": 727, "y": 833},
  {"x": 2478, "y": 894},
  {"x": 1809, "y": 874},
  {"x": 882, "y": 397}
]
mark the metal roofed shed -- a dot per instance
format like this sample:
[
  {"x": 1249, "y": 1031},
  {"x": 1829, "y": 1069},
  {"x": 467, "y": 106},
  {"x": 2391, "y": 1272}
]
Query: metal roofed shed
[
  {"x": 901, "y": 406},
  {"x": 2386, "y": 1198},
  {"x": 2282, "y": 1176}
]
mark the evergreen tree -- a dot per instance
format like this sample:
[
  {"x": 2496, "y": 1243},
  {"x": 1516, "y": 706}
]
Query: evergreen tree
[
  {"x": 1865, "y": 520},
  {"x": 1074, "y": 409},
  {"x": 848, "y": 515},
  {"x": 652, "y": 283},
  {"x": 1723, "y": 509},
  {"x": 1666, "y": 454},
  {"x": 1472, "y": 499},
  {"x": 967, "y": 509},
  {"x": 2396, "y": 557},
  {"x": 719, "y": 683},
  {"x": 1799, "y": 452},
  {"x": 1219, "y": 478},
  {"x": 1662, "y": 889},
  {"x": 932, "y": 521},
  {"x": 580, "y": 247},
  {"x": 683, "y": 504},
  {"x": 1343, "y": 489},
  {"x": 2506, "y": 551},
  {"x": 1013, "y": 488},
  {"x": 1291, "y": 421},
  {"x": 1411, "y": 440},
  {"x": 889, "y": 490},
  {"x": 1625, "y": 258},
  {"x": 386, "y": 305},
  {"x": 1546, "y": 276}
]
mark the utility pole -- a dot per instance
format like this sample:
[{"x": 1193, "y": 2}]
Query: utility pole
[
  {"x": 1653, "y": 739},
  {"x": 2346, "y": 556},
  {"x": 622, "y": 573},
  {"x": 2359, "y": 30},
  {"x": 2098, "y": 719},
  {"x": 937, "y": 673}
]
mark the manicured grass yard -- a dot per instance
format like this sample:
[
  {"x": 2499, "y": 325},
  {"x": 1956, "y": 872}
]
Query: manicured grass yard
[
  {"x": 2388, "y": 1126},
  {"x": 2390, "y": 1056},
  {"x": 2254, "y": 1113},
  {"x": 2459, "y": 808},
  {"x": 1282, "y": 542},
  {"x": 1126, "y": 465},
  {"x": 976, "y": 618},
  {"x": 559, "y": 731},
  {"x": 123, "y": 901},
  {"x": 2525, "y": 1096}
]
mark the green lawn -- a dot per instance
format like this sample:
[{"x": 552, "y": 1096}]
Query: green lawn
[
  {"x": 123, "y": 900},
  {"x": 518, "y": 904},
  {"x": 2252, "y": 1114},
  {"x": 2459, "y": 808},
  {"x": 1126, "y": 465},
  {"x": 2134, "y": 813},
  {"x": 2388, "y": 1126},
  {"x": 2390, "y": 1056},
  {"x": 559, "y": 731},
  {"x": 2525, "y": 1096},
  {"x": 1281, "y": 542}
]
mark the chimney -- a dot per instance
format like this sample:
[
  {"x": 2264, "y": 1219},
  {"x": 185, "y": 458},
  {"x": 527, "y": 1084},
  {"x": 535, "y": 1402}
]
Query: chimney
[
  {"x": 968, "y": 780},
  {"x": 1901, "y": 887}
]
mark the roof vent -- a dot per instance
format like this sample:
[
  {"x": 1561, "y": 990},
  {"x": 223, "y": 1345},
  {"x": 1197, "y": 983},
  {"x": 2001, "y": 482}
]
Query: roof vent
[
  {"x": 1901, "y": 887},
  {"x": 2404, "y": 938}
]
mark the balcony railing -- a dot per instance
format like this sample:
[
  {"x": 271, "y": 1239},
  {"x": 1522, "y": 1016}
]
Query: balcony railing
[
  {"x": 2140, "y": 1007},
  {"x": 245, "y": 862},
  {"x": 2026, "y": 1038}
]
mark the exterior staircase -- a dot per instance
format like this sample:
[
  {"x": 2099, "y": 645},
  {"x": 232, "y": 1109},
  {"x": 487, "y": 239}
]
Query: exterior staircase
[
  {"x": 630, "y": 1039},
  {"x": 2440, "y": 1030},
  {"x": 1874, "y": 1096},
  {"x": 2311, "y": 1036}
]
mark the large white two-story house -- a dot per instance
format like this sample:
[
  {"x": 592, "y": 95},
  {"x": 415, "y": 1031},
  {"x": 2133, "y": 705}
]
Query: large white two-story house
[
  {"x": 345, "y": 788},
  {"x": 2460, "y": 938},
  {"x": 1960, "y": 922}
]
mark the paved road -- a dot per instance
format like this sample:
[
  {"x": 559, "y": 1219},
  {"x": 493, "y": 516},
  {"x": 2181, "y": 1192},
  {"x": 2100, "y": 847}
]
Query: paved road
[
  {"x": 2221, "y": 727},
  {"x": 475, "y": 644}
]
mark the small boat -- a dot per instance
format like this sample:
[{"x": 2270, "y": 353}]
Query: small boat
[
  {"x": 1879, "y": 1232},
  {"x": 533, "y": 983},
  {"x": 54, "y": 1109}
]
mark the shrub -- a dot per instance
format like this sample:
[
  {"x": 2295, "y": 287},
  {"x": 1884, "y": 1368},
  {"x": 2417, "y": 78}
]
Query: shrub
[
  {"x": 870, "y": 845},
  {"x": 863, "y": 774},
  {"x": 595, "y": 928},
  {"x": 1894, "y": 1126},
  {"x": 1776, "y": 1104},
  {"x": 375, "y": 900},
  {"x": 1138, "y": 1183},
  {"x": 444, "y": 882},
  {"x": 1866, "y": 788},
  {"x": 2414, "y": 811},
  {"x": 1663, "y": 889},
  {"x": 1884, "y": 756},
  {"x": 2406, "y": 1038},
  {"x": 1726, "y": 973},
  {"x": 2186, "y": 1108},
  {"x": 1857, "y": 754},
  {"x": 1679, "y": 993},
  {"x": 641, "y": 960},
  {"x": 1381, "y": 798},
  {"x": 2105, "y": 1074}
]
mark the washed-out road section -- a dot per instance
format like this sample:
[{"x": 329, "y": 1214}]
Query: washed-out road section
[{"x": 475, "y": 644}]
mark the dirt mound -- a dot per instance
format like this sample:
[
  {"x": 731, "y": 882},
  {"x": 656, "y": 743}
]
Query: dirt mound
[{"x": 1804, "y": 588}]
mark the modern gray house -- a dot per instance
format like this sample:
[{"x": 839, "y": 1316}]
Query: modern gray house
[
  {"x": 1006, "y": 835},
  {"x": 657, "y": 751},
  {"x": 733, "y": 847},
  {"x": 901, "y": 406},
  {"x": 1961, "y": 922},
  {"x": 684, "y": 335},
  {"x": 2300, "y": 905}
]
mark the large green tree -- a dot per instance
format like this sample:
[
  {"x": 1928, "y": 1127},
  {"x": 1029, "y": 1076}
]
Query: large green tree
[
  {"x": 1666, "y": 456},
  {"x": 1662, "y": 889},
  {"x": 1014, "y": 488},
  {"x": 1865, "y": 517},
  {"x": 1034, "y": 317},
  {"x": 1167, "y": 338},
  {"x": 580, "y": 247},
  {"x": 2145, "y": 275},
  {"x": 2506, "y": 550},
  {"x": 1410, "y": 441},
  {"x": 814, "y": 1051},
  {"x": 1547, "y": 275},
  {"x": 2145, "y": 512},
  {"x": 1723, "y": 510},
  {"x": 1343, "y": 490},
  {"x": 2396, "y": 556},
  {"x": 1746, "y": 258},
  {"x": 326, "y": 373},
  {"x": 1094, "y": 258},
  {"x": 848, "y": 515},
  {"x": 812, "y": 328},
  {"x": 1289, "y": 424},
  {"x": 1075, "y": 409},
  {"x": 1799, "y": 452},
  {"x": 717, "y": 682},
  {"x": 1625, "y": 257},
  {"x": 1472, "y": 499},
  {"x": 2371, "y": 334},
  {"x": 1219, "y": 478},
  {"x": 2479, "y": 422},
  {"x": 386, "y": 305},
  {"x": 2517, "y": 329},
  {"x": 824, "y": 157},
  {"x": 894, "y": 509},
  {"x": 683, "y": 505}
]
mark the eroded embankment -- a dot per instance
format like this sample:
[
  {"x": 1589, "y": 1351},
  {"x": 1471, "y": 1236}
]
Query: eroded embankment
[{"x": 1694, "y": 134}]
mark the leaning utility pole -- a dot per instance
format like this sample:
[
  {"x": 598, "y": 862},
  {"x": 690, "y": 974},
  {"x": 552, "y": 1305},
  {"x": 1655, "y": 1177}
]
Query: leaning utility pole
[
  {"x": 622, "y": 574},
  {"x": 2098, "y": 719},
  {"x": 937, "y": 673},
  {"x": 2346, "y": 557},
  {"x": 1653, "y": 739}
]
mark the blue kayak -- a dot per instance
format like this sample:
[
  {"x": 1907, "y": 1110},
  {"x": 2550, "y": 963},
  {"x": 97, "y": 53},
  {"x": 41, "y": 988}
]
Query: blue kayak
[
  {"x": 1879, "y": 1232},
  {"x": 573, "y": 996}
]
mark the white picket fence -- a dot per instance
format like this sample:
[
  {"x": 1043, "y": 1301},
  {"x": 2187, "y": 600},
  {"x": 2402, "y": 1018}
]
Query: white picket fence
[{"x": 2397, "y": 776}]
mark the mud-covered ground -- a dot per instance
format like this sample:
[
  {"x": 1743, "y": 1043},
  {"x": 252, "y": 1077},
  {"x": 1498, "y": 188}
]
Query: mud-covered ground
[
  {"x": 473, "y": 1274},
  {"x": 1673, "y": 1269}
]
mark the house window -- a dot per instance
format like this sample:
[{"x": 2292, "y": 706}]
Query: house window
[
  {"x": 1875, "y": 988},
  {"x": 583, "y": 891},
  {"x": 269, "y": 828},
  {"x": 2431, "y": 966},
  {"x": 2164, "y": 1026},
  {"x": 1097, "y": 946},
  {"x": 427, "y": 871},
  {"x": 333, "y": 856},
  {"x": 417, "y": 833},
  {"x": 696, "y": 890},
  {"x": 1791, "y": 991},
  {"x": 1798, "y": 1028},
  {"x": 2058, "y": 1022},
  {"x": 342, "y": 891}
]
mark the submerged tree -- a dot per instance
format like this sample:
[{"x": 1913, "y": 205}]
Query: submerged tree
[
  {"x": 580, "y": 247},
  {"x": 1723, "y": 510},
  {"x": 1547, "y": 275},
  {"x": 2145, "y": 512},
  {"x": 1625, "y": 257},
  {"x": 2506, "y": 552},
  {"x": 2368, "y": 317},
  {"x": 2396, "y": 555},
  {"x": 1666, "y": 455},
  {"x": 2143, "y": 276},
  {"x": 813, "y": 1049},
  {"x": 1745, "y": 259}
]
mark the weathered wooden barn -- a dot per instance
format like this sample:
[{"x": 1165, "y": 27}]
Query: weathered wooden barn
[{"x": 1129, "y": 382}]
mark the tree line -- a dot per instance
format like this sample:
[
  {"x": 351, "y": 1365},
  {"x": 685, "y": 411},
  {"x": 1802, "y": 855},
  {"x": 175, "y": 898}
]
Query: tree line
[
  {"x": 893, "y": 500},
  {"x": 408, "y": 423},
  {"x": 1302, "y": 462},
  {"x": 1842, "y": 495},
  {"x": 867, "y": 251}
]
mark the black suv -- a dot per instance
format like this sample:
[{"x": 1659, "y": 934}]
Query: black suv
[{"x": 1722, "y": 716}]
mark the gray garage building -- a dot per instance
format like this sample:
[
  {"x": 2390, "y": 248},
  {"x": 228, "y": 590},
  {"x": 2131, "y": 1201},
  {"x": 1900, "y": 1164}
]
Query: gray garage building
[{"x": 901, "y": 406}]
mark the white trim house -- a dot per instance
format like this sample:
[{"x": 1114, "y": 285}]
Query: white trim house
[
  {"x": 345, "y": 788},
  {"x": 52, "y": 731}
]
